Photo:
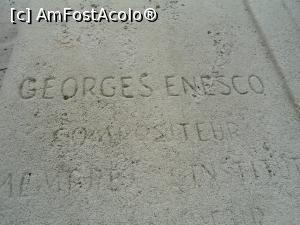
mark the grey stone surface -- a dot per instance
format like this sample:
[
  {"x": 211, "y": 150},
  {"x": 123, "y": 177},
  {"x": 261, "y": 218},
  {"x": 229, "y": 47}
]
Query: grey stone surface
[
  {"x": 192, "y": 119},
  {"x": 278, "y": 23}
]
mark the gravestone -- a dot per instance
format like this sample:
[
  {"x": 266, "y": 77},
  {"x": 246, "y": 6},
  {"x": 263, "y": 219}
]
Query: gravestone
[{"x": 185, "y": 120}]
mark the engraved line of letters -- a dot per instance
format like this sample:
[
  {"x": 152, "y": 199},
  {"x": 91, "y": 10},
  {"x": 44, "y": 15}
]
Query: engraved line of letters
[
  {"x": 182, "y": 131},
  {"x": 130, "y": 87},
  {"x": 202, "y": 174}
]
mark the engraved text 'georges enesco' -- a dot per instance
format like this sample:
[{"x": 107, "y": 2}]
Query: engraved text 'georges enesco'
[{"x": 139, "y": 86}]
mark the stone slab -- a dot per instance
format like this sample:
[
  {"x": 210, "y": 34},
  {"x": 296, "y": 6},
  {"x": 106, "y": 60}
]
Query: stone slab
[{"x": 182, "y": 121}]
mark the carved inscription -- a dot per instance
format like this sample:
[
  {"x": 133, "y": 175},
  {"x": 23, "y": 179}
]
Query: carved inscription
[
  {"x": 203, "y": 175},
  {"x": 206, "y": 131},
  {"x": 141, "y": 86}
]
